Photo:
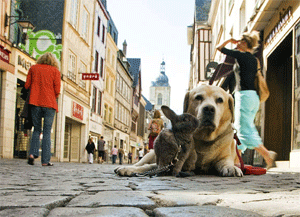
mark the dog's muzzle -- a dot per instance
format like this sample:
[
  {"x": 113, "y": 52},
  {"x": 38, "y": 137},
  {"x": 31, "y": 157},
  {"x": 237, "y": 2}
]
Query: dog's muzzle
[{"x": 208, "y": 117}]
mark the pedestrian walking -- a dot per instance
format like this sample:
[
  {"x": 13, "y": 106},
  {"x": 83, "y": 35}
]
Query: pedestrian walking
[
  {"x": 155, "y": 126},
  {"x": 43, "y": 81},
  {"x": 141, "y": 154},
  {"x": 90, "y": 148},
  {"x": 121, "y": 155},
  {"x": 130, "y": 157},
  {"x": 101, "y": 150},
  {"x": 114, "y": 154},
  {"x": 246, "y": 98}
]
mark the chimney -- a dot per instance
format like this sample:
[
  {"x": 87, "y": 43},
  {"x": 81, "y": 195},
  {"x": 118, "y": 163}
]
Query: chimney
[{"x": 124, "y": 47}]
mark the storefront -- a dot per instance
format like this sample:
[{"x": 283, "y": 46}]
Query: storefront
[
  {"x": 282, "y": 110},
  {"x": 122, "y": 140},
  {"x": 22, "y": 137},
  {"x": 75, "y": 130},
  {"x": 7, "y": 103},
  {"x": 95, "y": 133}
]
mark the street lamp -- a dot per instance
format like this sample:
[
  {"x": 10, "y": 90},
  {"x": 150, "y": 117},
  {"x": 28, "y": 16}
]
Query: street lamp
[{"x": 23, "y": 24}]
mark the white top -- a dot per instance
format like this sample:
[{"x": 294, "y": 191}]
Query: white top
[{"x": 141, "y": 153}]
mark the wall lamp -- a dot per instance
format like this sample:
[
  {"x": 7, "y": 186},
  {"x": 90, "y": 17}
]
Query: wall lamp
[{"x": 23, "y": 24}]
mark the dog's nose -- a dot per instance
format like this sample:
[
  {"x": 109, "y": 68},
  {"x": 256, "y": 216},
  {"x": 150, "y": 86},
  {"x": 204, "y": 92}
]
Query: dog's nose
[{"x": 209, "y": 110}]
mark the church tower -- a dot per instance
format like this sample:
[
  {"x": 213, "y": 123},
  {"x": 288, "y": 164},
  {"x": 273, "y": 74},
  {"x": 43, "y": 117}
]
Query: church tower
[{"x": 160, "y": 89}]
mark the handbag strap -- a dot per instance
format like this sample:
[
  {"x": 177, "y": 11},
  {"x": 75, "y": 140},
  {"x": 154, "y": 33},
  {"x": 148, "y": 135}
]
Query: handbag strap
[{"x": 258, "y": 65}]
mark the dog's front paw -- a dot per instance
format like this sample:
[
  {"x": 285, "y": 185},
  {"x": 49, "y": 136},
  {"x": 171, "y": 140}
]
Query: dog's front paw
[
  {"x": 125, "y": 171},
  {"x": 231, "y": 171}
]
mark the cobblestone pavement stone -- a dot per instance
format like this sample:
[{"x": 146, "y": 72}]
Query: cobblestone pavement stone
[{"x": 78, "y": 189}]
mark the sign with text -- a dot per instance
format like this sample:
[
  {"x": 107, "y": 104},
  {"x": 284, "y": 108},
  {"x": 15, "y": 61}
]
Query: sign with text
[
  {"x": 90, "y": 76},
  {"x": 4, "y": 54},
  {"x": 77, "y": 111}
]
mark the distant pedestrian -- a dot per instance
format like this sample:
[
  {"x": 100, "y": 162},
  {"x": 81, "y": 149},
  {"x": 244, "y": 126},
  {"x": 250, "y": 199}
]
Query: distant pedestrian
[
  {"x": 90, "y": 148},
  {"x": 129, "y": 158},
  {"x": 155, "y": 126},
  {"x": 121, "y": 155},
  {"x": 141, "y": 154},
  {"x": 114, "y": 154},
  {"x": 101, "y": 150},
  {"x": 43, "y": 81}
]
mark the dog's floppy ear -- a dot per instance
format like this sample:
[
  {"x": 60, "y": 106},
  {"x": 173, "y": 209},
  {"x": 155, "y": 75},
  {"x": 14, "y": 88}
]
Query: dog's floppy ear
[
  {"x": 186, "y": 102},
  {"x": 231, "y": 107}
]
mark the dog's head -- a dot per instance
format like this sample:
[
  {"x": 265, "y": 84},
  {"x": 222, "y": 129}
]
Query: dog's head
[{"x": 212, "y": 106}]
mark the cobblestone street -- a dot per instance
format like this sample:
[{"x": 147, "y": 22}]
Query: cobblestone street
[{"x": 73, "y": 189}]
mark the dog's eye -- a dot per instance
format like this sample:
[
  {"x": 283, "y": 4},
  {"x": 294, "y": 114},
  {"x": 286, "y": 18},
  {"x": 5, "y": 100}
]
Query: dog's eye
[
  {"x": 219, "y": 100},
  {"x": 199, "y": 97}
]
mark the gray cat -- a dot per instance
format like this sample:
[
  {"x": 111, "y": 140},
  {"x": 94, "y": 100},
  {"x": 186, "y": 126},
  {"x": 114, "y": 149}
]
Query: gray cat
[{"x": 176, "y": 145}]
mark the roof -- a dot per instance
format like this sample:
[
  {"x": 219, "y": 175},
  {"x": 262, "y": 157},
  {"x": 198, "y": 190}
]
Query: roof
[
  {"x": 134, "y": 70},
  {"x": 149, "y": 105}
]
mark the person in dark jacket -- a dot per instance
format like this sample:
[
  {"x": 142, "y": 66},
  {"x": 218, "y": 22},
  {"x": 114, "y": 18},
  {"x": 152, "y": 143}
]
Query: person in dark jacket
[
  {"x": 90, "y": 148},
  {"x": 246, "y": 98}
]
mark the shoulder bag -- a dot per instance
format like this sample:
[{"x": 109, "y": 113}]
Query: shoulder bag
[{"x": 261, "y": 84}]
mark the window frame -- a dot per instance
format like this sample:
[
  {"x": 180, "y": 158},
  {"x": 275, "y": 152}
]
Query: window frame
[
  {"x": 99, "y": 102},
  {"x": 72, "y": 67},
  {"x": 85, "y": 21},
  {"x": 74, "y": 13},
  {"x": 99, "y": 26},
  {"x": 96, "y": 61}
]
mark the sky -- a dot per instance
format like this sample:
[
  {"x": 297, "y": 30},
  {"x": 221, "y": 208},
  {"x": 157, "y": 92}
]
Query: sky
[{"x": 155, "y": 30}]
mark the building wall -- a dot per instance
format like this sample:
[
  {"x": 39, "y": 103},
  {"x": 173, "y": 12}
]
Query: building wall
[
  {"x": 77, "y": 45},
  {"x": 99, "y": 46},
  {"x": 229, "y": 19},
  {"x": 123, "y": 103}
]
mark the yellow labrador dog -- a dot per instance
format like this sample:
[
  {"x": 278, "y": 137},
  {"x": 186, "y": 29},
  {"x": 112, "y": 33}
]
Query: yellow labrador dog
[{"x": 213, "y": 139}]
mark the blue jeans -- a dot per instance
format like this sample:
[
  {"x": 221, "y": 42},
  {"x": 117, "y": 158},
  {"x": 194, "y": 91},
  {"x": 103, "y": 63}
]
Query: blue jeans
[
  {"x": 114, "y": 158},
  {"x": 37, "y": 114}
]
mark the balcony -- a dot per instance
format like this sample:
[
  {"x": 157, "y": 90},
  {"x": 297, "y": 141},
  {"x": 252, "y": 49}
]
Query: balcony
[{"x": 71, "y": 75}]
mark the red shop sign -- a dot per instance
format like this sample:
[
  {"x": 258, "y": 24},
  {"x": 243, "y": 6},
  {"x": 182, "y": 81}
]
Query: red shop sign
[
  {"x": 77, "y": 111},
  {"x": 90, "y": 76},
  {"x": 4, "y": 54}
]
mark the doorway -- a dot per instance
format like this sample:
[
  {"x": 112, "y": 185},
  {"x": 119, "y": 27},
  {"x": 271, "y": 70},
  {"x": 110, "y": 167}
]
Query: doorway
[
  {"x": 72, "y": 141},
  {"x": 278, "y": 114}
]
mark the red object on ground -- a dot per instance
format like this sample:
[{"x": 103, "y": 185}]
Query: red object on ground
[{"x": 248, "y": 169}]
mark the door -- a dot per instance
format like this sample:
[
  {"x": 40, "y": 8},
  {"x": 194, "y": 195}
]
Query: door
[
  {"x": 67, "y": 142},
  {"x": 75, "y": 143},
  {"x": 278, "y": 117}
]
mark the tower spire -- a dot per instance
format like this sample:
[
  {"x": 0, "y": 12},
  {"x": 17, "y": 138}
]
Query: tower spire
[{"x": 163, "y": 67}]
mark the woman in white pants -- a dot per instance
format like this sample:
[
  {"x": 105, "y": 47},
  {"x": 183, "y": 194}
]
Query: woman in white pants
[{"x": 90, "y": 148}]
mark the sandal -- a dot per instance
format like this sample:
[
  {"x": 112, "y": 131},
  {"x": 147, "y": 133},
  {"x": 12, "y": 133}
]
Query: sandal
[
  {"x": 48, "y": 164},
  {"x": 30, "y": 161}
]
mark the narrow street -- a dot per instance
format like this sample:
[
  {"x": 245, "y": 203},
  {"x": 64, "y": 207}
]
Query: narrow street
[{"x": 77, "y": 189}]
